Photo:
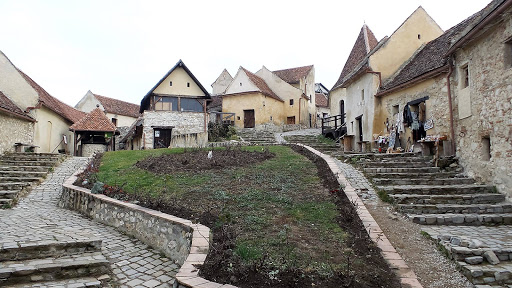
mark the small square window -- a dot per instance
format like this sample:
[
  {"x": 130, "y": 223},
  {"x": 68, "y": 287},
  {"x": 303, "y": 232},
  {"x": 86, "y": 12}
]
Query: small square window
[
  {"x": 419, "y": 36},
  {"x": 291, "y": 102},
  {"x": 237, "y": 117},
  {"x": 464, "y": 76},
  {"x": 188, "y": 84},
  {"x": 170, "y": 83}
]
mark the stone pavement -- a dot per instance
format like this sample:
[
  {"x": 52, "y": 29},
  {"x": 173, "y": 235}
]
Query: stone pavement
[{"x": 36, "y": 218}]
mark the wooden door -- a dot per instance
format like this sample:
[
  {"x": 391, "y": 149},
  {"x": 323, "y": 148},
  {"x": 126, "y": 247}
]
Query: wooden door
[
  {"x": 360, "y": 126},
  {"x": 342, "y": 111},
  {"x": 162, "y": 138},
  {"x": 249, "y": 121}
]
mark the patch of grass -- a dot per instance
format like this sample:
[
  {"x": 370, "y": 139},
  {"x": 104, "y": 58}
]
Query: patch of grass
[
  {"x": 279, "y": 206},
  {"x": 325, "y": 140},
  {"x": 384, "y": 196}
]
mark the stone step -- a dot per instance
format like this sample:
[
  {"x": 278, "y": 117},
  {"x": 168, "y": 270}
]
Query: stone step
[
  {"x": 17, "y": 251},
  {"x": 89, "y": 282},
  {"x": 20, "y": 179},
  {"x": 434, "y": 175},
  {"x": 384, "y": 155},
  {"x": 35, "y": 174},
  {"x": 5, "y": 202},
  {"x": 422, "y": 181},
  {"x": 51, "y": 269},
  {"x": 44, "y": 169},
  {"x": 455, "y": 208},
  {"x": 12, "y": 194},
  {"x": 10, "y": 186},
  {"x": 403, "y": 170},
  {"x": 27, "y": 163},
  {"x": 463, "y": 219},
  {"x": 30, "y": 158},
  {"x": 487, "y": 275},
  {"x": 396, "y": 164},
  {"x": 438, "y": 189},
  {"x": 459, "y": 199}
]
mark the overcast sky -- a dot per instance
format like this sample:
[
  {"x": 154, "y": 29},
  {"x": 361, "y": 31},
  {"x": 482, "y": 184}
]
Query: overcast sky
[{"x": 121, "y": 49}]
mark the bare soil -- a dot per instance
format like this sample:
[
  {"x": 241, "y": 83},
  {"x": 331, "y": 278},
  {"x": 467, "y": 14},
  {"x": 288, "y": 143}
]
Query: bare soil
[
  {"x": 197, "y": 160},
  {"x": 363, "y": 264}
]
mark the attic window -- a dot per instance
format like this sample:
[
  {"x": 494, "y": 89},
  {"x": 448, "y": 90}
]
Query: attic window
[
  {"x": 291, "y": 102},
  {"x": 419, "y": 36},
  {"x": 114, "y": 121},
  {"x": 362, "y": 95},
  {"x": 188, "y": 84},
  {"x": 240, "y": 83},
  {"x": 170, "y": 83}
]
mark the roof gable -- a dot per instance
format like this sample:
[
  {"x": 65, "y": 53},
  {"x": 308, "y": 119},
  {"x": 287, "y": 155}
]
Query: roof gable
[
  {"x": 293, "y": 75},
  {"x": 53, "y": 103},
  {"x": 145, "y": 101},
  {"x": 430, "y": 57},
  {"x": 365, "y": 43},
  {"x": 261, "y": 84},
  {"x": 222, "y": 82},
  {"x": 321, "y": 100},
  {"x": 95, "y": 121}
]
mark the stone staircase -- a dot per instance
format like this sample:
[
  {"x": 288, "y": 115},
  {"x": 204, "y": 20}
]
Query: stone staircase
[
  {"x": 314, "y": 141},
  {"x": 20, "y": 171},
  {"x": 78, "y": 263},
  {"x": 432, "y": 196},
  {"x": 257, "y": 137},
  {"x": 439, "y": 198}
]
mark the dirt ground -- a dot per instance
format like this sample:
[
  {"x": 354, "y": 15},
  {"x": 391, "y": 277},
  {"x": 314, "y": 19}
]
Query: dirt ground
[
  {"x": 197, "y": 160},
  {"x": 432, "y": 268}
]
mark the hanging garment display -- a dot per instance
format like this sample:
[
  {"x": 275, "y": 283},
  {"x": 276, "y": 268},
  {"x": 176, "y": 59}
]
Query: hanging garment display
[{"x": 429, "y": 124}]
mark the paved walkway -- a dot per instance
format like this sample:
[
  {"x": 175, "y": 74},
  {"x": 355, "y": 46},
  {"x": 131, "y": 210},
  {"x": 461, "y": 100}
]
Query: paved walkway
[{"x": 36, "y": 218}]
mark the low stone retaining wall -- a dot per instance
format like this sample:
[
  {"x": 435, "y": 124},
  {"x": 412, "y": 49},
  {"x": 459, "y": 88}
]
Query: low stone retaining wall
[{"x": 179, "y": 239}]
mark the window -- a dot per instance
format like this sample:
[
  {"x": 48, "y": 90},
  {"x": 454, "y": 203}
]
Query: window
[
  {"x": 290, "y": 120},
  {"x": 362, "y": 95},
  {"x": 464, "y": 76},
  {"x": 486, "y": 148},
  {"x": 170, "y": 83},
  {"x": 240, "y": 83},
  {"x": 508, "y": 54},
  {"x": 114, "y": 121},
  {"x": 188, "y": 84},
  {"x": 395, "y": 110},
  {"x": 237, "y": 117},
  {"x": 270, "y": 118},
  {"x": 190, "y": 105},
  {"x": 291, "y": 102},
  {"x": 419, "y": 36},
  {"x": 166, "y": 103}
]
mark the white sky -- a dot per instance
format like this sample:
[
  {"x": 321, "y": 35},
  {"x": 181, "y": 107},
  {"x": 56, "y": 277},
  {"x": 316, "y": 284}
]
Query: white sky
[{"x": 121, "y": 49}]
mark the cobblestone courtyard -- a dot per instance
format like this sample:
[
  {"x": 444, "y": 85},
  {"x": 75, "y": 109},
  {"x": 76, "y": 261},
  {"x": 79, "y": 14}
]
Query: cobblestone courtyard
[{"x": 37, "y": 219}]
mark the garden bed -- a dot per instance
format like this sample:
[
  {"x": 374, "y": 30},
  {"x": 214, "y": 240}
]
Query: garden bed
[{"x": 277, "y": 217}]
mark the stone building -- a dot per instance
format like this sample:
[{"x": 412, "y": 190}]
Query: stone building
[
  {"x": 322, "y": 103},
  {"x": 173, "y": 112},
  {"x": 482, "y": 95},
  {"x": 369, "y": 64},
  {"x": 30, "y": 115}
]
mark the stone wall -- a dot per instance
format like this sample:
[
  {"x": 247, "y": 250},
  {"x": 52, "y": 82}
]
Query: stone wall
[
  {"x": 188, "y": 131},
  {"x": 90, "y": 149},
  {"x": 179, "y": 239},
  {"x": 490, "y": 100},
  {"x": 17, "y": 131}
]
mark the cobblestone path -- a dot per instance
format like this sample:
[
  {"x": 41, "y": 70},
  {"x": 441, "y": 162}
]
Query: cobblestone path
[{"x": 36, "y": 218}]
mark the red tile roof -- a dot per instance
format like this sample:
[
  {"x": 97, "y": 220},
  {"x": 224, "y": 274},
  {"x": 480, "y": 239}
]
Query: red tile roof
[
  {"x": 365, "y": 43},
  {"x": 53, "y": 103},
  {"x": 293, "y": 75},
  {"x": 321, "y": 100},
  {"x": 7, "y": 105},
  {"x": 96, "y": 120},
  {"x": 119, "y": 107},
  {"x": 261, "y": 84}
]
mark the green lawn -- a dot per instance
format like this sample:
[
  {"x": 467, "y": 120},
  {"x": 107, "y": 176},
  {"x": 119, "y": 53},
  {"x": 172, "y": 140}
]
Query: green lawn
[{"x": 280, "y": 207}]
